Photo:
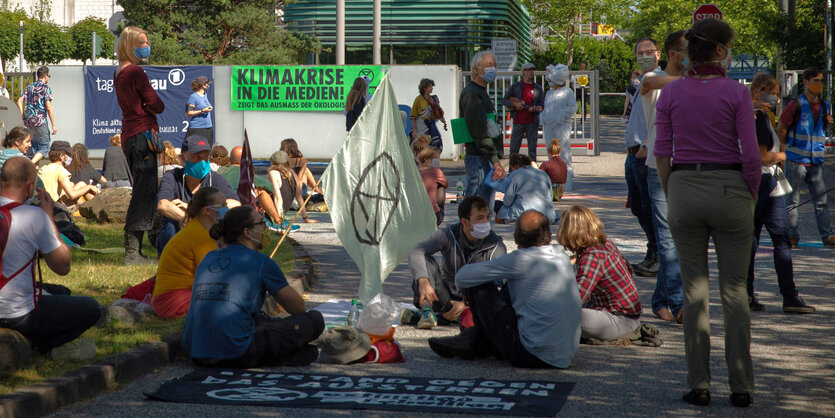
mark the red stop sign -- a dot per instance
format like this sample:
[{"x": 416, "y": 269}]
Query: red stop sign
[{"x": 707, "y": 11}]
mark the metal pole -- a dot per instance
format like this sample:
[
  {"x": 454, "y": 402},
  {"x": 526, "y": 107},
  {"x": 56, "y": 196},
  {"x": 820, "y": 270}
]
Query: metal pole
[
  {"x": 21, "y": 46},
  {"x": 340, "y": 32},
  {"x": 378, "y": 30},
  {"x": 93, "y": 59},
  {"x": 828, "y": 50}
]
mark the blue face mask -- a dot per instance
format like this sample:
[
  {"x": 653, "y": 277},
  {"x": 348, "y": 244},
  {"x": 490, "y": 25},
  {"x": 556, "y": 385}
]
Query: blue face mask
[
  {"x": 197, "y": 170},
  {"x": 686, "y": 63},
  {"x": 489, "y": 75},
  {"x": 221, "y": 212},
  {"x": 142, "y": 53}
]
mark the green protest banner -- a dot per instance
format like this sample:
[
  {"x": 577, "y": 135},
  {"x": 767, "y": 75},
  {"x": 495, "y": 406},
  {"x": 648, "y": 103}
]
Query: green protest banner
[{"x": 298, "y": 88}]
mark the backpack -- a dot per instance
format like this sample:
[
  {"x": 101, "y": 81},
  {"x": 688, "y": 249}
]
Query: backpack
[
  {"x": 5, "y": 226},
  {"x": 796, "y": 115}
]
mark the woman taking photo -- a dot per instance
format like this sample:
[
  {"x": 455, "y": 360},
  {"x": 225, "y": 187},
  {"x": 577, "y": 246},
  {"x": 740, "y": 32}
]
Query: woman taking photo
[
  {"x": 224, "y": 327},
  {"x": 140, "y": 105},
  {"x": 706, "y": 130},
  {"x": 198, "y": 110},
  {"x": 426, "y": 111}
]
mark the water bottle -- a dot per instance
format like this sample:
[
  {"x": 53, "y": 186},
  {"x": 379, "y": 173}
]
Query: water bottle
[
  {"x": 459, "y": 191},
  {"x": 354, "y": 314}
]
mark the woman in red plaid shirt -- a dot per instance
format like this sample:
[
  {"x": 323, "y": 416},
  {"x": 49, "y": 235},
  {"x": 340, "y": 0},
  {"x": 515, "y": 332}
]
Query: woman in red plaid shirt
[{"x": 611, "y": 306}]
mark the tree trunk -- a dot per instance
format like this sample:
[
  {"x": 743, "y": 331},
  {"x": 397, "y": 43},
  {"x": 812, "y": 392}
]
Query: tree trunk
[{"x": 569, "y": 37}]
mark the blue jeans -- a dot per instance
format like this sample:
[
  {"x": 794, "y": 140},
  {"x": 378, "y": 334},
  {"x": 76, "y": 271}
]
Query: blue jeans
[
  {"x": 668, "y": 284},
  {"x": 167, "y": 231},
  {"x": 635, "y": 171},
  {"x": 40, "y": 140},
  {"x": 771, "y": 212},
  {"x": 477, "y": 168},
  {"x": 812, "y": 175}
]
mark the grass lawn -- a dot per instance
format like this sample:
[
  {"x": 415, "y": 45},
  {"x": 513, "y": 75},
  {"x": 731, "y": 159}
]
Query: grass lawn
[{"x": 104, "y": 277}]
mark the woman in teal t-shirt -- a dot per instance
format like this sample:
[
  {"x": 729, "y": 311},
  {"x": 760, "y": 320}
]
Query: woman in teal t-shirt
[{"x": 224, "y": 326}]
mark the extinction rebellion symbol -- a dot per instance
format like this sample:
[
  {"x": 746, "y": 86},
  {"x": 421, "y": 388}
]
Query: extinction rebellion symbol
[{"x": 375, "y": 199}]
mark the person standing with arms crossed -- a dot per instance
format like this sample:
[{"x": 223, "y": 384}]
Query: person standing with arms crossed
[
  {"x": 140, "y": 105},
  {"x": 704, "y": 124},
  {"x": 35, "y": 105}
]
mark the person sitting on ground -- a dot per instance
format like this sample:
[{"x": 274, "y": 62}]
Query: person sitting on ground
[
  {"x": 47, "y": 321},
  {"x": 263, "y": 188},
  {"x": 16, "y": 143},
  {"x": 468, "y": 241},
  {"x": 418, "y": 145},
  {"x": 56, "y": 178},
  {"x": 611, "y": 306},
  {"x": 299, "y": 164},
  {"x": 529, "y": 189},
  {"x": 224, "y": 327},
  {"x": 80, "y": 169},
  {"x": 219, "y": 158},
  {"x": 168, "y": 160},
  {"x": 180, "y": 184},
  {"x": 115, "y": 165},
  {"x": 178, "y": 261},
  {"x": 286, "y": 185},
  {"x": 534, "y": 320},
  {"x": 556, "y": 168},
  {"x": 434, "y": 180}
]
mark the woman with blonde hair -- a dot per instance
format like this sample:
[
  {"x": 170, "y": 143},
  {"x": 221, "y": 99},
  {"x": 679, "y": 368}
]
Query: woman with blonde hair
[
  {"x": 140, "y": 105},
  {"x": 611, "y": 306},
  {"x": 168, "y": 160},
  {"x": 219, "y": 157},
  {"x": 286, "y": 186},
  {"x": 355, "y": 102},
  {"x": 115, "y": 166}
]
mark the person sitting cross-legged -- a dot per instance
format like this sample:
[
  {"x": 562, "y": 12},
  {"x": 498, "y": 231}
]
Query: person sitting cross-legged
[
  {"x": 530, "y": 189},
  {"x": 47, "y": 321},
  {"x": 56, "y": 178},
  {"x": 468, "y": 241},
  {"x": 534, "y": 320},
  {"x": 224, "y": 327},
  {"x": 611, "y": 306}
]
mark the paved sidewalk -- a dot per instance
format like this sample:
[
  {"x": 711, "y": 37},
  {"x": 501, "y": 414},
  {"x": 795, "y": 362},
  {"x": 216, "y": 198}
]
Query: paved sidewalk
[{"x": 793, "y": 359}]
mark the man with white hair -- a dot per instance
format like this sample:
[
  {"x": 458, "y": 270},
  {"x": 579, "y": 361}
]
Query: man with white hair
[
  {"x": 474, "y": 105},
  {"x": 560, "y": 107}
]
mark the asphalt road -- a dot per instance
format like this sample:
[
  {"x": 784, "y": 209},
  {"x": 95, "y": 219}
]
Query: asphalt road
[{"x": 793, "y": 362}]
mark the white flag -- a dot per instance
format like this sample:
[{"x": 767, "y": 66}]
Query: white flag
[{"x": 374, "y": 193}]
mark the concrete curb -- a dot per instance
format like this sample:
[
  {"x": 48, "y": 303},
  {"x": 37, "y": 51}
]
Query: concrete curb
[{"x": 86, "y": 382}]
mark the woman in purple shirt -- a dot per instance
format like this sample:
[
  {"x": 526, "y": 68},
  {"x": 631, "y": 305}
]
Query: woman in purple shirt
[{"x": 704, "y": 127}]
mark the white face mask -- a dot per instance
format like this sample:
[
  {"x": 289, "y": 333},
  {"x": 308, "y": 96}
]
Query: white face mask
[
  {"x": 646, "y": 62},
  {"x": 725, "y": 62},
  {"x": 481, "y": 231},
  {"x": 68, "y": 162}
]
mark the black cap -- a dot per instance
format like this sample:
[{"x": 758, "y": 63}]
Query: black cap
[
  {"x": 195, "y": 144},
  {"x": 61, "y": 146}
]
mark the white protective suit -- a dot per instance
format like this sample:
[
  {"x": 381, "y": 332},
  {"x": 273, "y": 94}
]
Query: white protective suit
[{"x": 560, "y": 107}]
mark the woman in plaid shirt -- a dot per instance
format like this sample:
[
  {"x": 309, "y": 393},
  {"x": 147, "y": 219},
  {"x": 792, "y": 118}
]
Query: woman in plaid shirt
[{"x": 611, "y": 306}]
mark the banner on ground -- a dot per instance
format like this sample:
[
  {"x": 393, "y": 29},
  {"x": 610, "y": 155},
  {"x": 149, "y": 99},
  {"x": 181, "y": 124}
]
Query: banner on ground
[
  {"x": 298, "y": 88},
  {"x": 414, "y": 395},
  {"x": 103, "y": 116},
  {"x": 375, "y": 195}
]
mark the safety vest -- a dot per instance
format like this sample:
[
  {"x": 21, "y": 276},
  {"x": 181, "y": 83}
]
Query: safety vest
[{"x": 807, "y": 140}]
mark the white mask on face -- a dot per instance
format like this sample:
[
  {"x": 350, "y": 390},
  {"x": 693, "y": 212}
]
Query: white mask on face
[
  {"x": 436, "y": 162},
  {"x": 646, "y": 62},
  {"x": 68, "y": 162},
  {"x": 481, "y": 231}
]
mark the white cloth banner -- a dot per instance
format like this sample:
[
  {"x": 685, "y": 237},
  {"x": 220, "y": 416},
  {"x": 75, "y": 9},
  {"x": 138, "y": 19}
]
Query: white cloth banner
[{"x": 374, "y": 193}]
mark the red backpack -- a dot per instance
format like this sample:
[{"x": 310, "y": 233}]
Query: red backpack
[{"x": 5, "y": 226}]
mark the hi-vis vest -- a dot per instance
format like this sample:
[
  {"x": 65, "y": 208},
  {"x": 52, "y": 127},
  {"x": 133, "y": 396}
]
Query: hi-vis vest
[{"x": 807, "y": 140}]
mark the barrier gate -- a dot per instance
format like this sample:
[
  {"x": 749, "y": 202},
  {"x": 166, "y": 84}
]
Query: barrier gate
[{"x": 585, "y": 126}]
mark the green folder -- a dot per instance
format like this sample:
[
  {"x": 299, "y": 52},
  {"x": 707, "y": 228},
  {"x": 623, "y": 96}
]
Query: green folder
[{"x": 460, "y": 131}]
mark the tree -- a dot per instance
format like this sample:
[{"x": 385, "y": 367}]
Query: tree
[
  {"x": 10, "y": 33},
  {"x": 42, "y": 10},
  {"x": 81, "y": 35},
  {"x": 800, "y": 36},
  {"x": 612, "y": 58},
  {"x": 216, "y": 31},
  {"x": 565, "y": 17},
  {"x": 45, "y": 43}
]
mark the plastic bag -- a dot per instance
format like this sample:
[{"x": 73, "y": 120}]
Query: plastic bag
[{"x": 378, "y": 316}]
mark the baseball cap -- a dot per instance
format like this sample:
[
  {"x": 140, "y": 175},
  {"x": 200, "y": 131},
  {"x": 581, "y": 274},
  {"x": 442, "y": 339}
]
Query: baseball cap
[
  {"x": 528, "y": 66},
  {"x": 343, "y": 345},
  {"x": 202, "y": 79},
  {"x": 61, "y": 146},
  {"x": 280, "y": 157},
  {"x": 195, "y": 144}
]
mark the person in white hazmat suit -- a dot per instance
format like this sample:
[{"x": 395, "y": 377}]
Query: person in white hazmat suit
[{"x": 560, "y": 107}]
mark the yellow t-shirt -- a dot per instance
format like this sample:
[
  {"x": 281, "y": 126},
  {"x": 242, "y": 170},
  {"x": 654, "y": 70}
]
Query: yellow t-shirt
[
  {"x": 51, "y": 176},
  {"x": 181, "y": 256},
  {"x": 418, "y": 107}
]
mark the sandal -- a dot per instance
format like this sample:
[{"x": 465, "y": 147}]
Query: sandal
[{"x": 700, "y": 397}]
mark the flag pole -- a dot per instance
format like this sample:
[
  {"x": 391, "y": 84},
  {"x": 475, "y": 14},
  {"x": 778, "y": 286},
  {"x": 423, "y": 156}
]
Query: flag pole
[{"x": 292, "y": 221}]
